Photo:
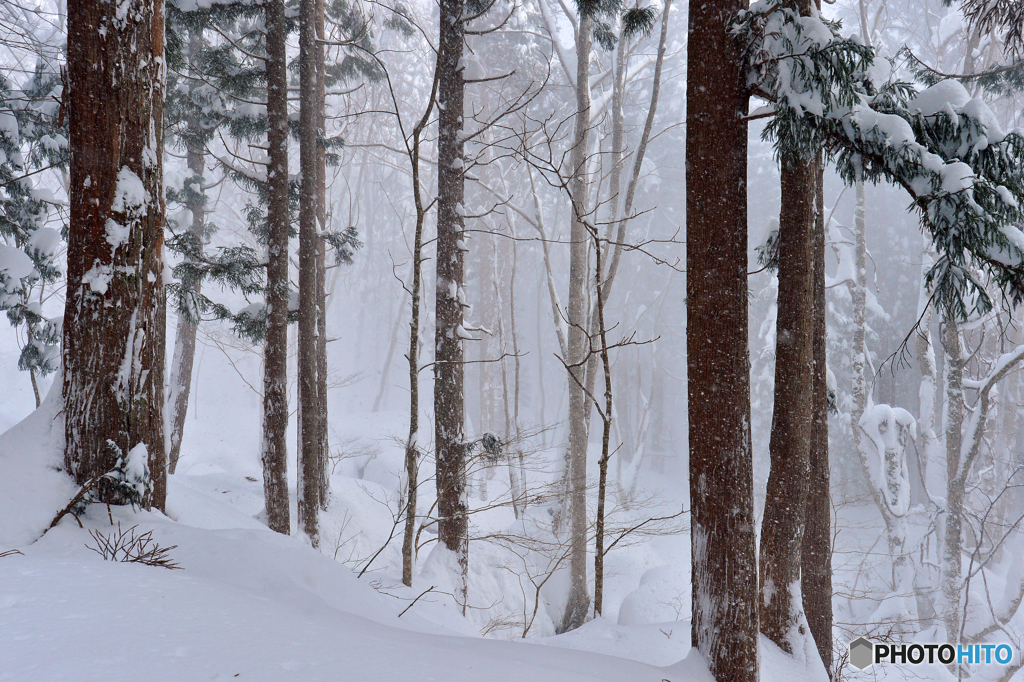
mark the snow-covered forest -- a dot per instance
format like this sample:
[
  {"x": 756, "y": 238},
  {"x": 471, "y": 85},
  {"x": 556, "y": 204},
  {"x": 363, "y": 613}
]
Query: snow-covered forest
[{"x": 511, "y": 339}]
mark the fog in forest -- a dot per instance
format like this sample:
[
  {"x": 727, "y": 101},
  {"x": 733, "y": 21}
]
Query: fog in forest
[{"x": 538, "y": 264}]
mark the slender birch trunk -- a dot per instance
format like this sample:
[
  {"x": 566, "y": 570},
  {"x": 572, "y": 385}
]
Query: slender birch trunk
[
  {"x": 952, "y": 544},
  {"x": 578, "y": 604}
]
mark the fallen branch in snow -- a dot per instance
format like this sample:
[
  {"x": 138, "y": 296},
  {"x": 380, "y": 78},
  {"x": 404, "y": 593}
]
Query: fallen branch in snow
[
  {"x": 79, "y": 496},
  {"x": 429, "y": 589},
  {"x": 11, "y": 552}
]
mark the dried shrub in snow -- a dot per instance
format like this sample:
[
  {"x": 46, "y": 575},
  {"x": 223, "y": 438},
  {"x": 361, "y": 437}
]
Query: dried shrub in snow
[{"x": 129, "y": 547}]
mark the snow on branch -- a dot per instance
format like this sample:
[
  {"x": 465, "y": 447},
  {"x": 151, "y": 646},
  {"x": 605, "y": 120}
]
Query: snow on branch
[
  {"x": 965, "y": 174},
  {"x": 971, "y": 445}
]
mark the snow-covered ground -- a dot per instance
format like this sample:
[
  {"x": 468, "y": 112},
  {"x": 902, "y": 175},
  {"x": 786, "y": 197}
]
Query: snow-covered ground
[{"x": 252, "y": 604}]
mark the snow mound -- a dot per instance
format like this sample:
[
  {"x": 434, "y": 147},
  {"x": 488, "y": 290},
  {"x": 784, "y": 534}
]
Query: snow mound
[
  {"x": 248, "y": 605},
  {"x": 662, "y": 597},
  {"x": 33, "y": 487}
]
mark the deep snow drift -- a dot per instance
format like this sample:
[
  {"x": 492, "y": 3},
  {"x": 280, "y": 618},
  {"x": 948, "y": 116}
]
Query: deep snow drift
[
  {"x": 252, "y": 604},
  {"x": 248, "y": 603}
]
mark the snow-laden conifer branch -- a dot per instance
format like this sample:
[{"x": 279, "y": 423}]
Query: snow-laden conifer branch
[{"x": 965, "y": 174}]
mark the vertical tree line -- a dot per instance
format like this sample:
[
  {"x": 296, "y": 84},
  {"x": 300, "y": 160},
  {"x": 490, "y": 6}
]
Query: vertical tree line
[
  {"x": 724, "y": 573},
  {"x": 449, "y": 368},
  {"x": 275, "y": 345},
  {"x": 114, "y": 325}
]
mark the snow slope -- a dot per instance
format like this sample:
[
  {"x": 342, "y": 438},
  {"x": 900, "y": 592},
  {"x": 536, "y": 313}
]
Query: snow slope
[{"x": 248, "y": 605}]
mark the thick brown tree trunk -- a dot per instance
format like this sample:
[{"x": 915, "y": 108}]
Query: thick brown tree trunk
[
  {"x": 449, "y": 368},
  {"x": 309, "y": 484},
  {"x": 816, "y": 557},
  {"x": 275, "y": 346},
  {"x": 578, "y": 605},
  {"x": 114, "y": 319},
  {"x": 724, "y": 574},
  {"x": 786, "y": 498}
]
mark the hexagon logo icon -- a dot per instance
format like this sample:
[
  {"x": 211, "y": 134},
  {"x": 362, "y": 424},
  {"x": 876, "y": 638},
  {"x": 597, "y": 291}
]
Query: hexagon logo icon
[{"x": 862, "y": 653}]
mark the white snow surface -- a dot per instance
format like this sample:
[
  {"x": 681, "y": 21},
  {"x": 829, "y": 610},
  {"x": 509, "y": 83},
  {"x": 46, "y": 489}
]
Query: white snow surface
[{"x": 248, "y": 603}]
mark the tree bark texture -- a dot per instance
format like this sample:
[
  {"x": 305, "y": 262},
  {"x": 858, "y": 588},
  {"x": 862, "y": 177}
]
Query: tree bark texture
[
  {"x": 724, "y": 571},
  {"x": 953, "y": 542},
  {"x": 275, "y": 346},
  {"x": 782, "y": 529},
  {"x": 816, "y": 553},
  {"x": 577, "y": 312},
  {"x": 859, "y": 296},
  {"x": 606, "y": 426},
  {"x": 309, "y": 484},
  {"x": 321, "y": 263},
  {"x": 114, "y": 319},
  {"x": 449, "y": 368}
]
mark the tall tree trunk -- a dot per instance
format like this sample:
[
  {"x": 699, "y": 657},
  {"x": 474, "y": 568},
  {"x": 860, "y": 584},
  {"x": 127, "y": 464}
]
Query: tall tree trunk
[
  {"x": 895, "y": 526},
  {"x": 412, "y": 465},
  {"x": 785, "y": 507},
  {"x": 487, "y": 313},
  {"x": 613, "y": 254},
  {"x": 816, "y": 554},
  {"x": 309, "y": 484},
  {"x": 953, "y": 541},
  {"x": 412, "y": 462},
  {"x": 115, "y": 308},
  {"x": 929, "y": 446},
  {"x": 606, "y": 424},
  {"x": 180, "y": 384},
  {"x": 724, "y": 573},
  {"x": 449, "y": 368},
  {"x": 578, "y": 605},
  {"x": 274, "y": 453},
  {"x": 321, "y": 264}
]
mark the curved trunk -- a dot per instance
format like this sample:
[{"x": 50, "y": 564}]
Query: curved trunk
[
  {"x": 180, "y": 384},
  {"x": 782, "y": 529}
]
